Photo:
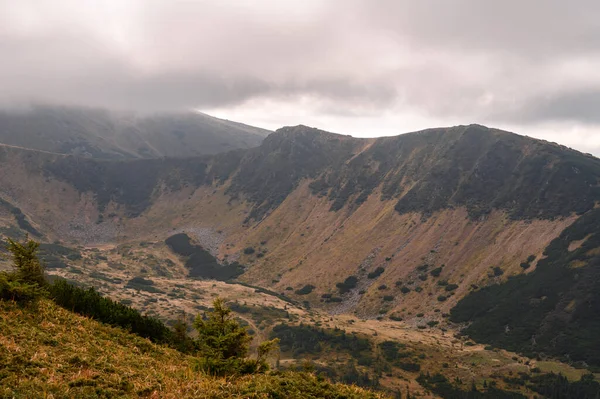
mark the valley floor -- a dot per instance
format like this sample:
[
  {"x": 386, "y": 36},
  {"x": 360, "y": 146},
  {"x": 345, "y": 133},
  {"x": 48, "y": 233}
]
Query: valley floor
[{"x": 437, "y": 350}]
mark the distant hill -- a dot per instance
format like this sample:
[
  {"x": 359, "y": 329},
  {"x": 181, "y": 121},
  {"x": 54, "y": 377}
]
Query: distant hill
[{"x": 99, "y": 133}]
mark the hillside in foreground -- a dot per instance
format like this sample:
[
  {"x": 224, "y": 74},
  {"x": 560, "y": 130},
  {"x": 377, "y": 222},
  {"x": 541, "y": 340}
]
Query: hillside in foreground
[{"x": 47, "y": 351}]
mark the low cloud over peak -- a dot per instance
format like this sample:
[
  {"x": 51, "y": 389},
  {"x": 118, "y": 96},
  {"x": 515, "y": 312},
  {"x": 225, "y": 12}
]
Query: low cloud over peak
[{"x": 361, "y": 67}]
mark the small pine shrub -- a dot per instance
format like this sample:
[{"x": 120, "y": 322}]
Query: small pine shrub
[
  {"x": 224, "y": 344},
  {"x": 27, "y": 281}
]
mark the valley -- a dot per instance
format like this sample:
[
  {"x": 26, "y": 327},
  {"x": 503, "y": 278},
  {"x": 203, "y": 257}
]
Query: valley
[{"x": 422, "y": 244}]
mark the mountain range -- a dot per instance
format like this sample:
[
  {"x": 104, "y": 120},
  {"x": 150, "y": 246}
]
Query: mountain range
[{"x": 468, "y": 229}]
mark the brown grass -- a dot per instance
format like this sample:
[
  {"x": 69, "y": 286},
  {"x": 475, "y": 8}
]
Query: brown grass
[{"x": 49, "y": 352}]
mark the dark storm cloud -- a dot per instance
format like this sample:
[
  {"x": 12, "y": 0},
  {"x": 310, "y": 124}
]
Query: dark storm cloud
[{"x": 508, "y": 62}]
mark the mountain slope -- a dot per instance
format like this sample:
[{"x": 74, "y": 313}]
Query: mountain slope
[
  {"x": 105, "y": 134},
  {"x": 558, "y": 303},
  {"x": 399, "y": 227}
]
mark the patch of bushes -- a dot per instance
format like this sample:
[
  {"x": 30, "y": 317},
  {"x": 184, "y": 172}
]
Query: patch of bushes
[
  {"x": 376, "y": 273},
  {"x": 306, "y": 339},
  {"x": 391, "y": 351},
  {"x": 20, "y": 218},
  {"x": 525, "y": 265},
  {"x": 436, "y": 272},
  {"x": 142, "y": 284},
  {"x": 348, "y": 284},
  {"x": 450, "y": 287},
  {"x": 259, "y": 313},
  {"x": 91, "y": 304},
  {"x": 442, "y": 387},
  {"x": 200, "y": 263},
  {"x": 307, "y": 289},
  {"x": 542, "y": 295}
]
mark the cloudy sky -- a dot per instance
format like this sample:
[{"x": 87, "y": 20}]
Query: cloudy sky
[{"x": 366, "y": 68}]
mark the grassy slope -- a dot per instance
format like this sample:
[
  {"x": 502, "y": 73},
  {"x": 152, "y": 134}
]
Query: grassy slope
[{"x": 50, "y": 351}]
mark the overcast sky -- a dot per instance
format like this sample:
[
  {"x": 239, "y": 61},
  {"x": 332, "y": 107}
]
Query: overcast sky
[{"x": 366, "y": 68}]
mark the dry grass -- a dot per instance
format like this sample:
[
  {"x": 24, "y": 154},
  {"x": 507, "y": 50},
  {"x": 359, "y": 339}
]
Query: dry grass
[{"x": 49, "y": 352}]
